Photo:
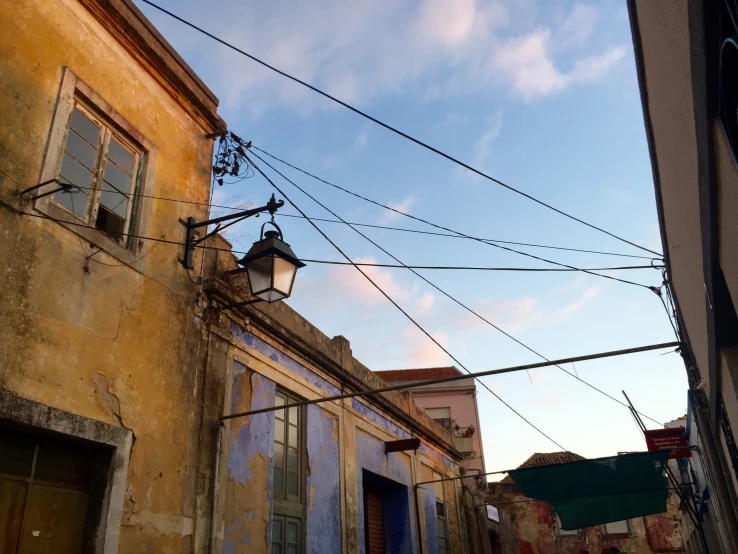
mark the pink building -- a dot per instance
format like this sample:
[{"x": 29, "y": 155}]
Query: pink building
[{"x": 453, "y": 405}]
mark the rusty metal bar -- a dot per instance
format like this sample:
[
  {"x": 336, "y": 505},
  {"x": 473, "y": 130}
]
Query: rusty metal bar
[{"x": 455, "y": 378}]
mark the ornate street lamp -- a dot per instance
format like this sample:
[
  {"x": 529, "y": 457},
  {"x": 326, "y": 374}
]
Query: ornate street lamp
[{"x": 271, "y": 266}]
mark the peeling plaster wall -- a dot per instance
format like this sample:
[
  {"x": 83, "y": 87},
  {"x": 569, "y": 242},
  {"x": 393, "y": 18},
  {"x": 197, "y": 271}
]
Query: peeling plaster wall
[
  {"x": 323, "y": 492},
  {"x": 108, "y": 343},
  {"x": 247, "y": 491},
  {"x": 344, "y": 443},
  {"x": 534, "y": 525}
]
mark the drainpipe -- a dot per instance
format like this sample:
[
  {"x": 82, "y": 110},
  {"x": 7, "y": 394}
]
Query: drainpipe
[
  {"x": 417, "y": 519},
  {"x": 214, "y": 487}
]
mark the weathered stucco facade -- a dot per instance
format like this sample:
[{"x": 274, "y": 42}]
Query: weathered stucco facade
[
  {"x": 112, "y": 352},
  {"x": 112, "y": 338},
  {"x": 267, "y": 348},
  {"x": 539, "y": 532}
]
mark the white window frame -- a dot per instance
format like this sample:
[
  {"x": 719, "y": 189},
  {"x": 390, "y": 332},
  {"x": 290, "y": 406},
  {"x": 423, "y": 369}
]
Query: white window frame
[
  {"x": 75, "y": 93},
  {"x": 606, "y": 533}
]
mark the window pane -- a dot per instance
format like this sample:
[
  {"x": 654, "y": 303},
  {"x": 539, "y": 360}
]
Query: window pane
[
  {"x": 293, "y": 415},
  {"x": 63, "y": 463},
  {"x": 122, "y": 157},
  {"x": 110, "y": 223},
  {"x": 277, "y": 523},
  {"x": 292, "y": 437},
  {"x": 440, "y": 509},
  {"x": 278, "y": 430},
  {"x": 293, "y": 532},
  {"x": 118, "y": 178},
  {"x": 75, "y": 200},
  {"x": 75, "y": 173},
  {"x": 278, "y": 400},
  {"x": 292, "y": 484},
  {"x": 279, "y": 480},
  {"x": 114, "y": 200},
  {"x": 81, "y": 150},
  {"x": 441, "y": 528},
  {"x": 292, "y": 459},
  {"x": 17, "y": 453},
  {"x": 278, "y": 455},
  {"x": 85, "y": 127},
  {"x": 291, "y": 549}
]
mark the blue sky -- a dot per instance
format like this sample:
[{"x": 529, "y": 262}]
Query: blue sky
[{"x": 543, "y": 96}]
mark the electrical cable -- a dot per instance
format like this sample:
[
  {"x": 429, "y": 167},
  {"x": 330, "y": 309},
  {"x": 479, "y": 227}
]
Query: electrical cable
[
  {"x": 389, "y": 228},
  {"x": 393, "y": 129},
  {"x": 533, "y": 269},
  {"x": 395, "y": 304},
  {"x": 447, "y": 295},
  {"x": 406, "y": 230},
  {"x": 332, "y": 262},
  {"x": 253, "y": 147}
]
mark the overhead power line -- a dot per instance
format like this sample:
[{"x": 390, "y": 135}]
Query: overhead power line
[
  {"x": 450, "y": 235},
  {"x": 446, "y": 228},
  {"x": 447, "y": 295},
  {"x": 534, "y": 269},
  {"x": 395, "y": 304},
  {"x": 328, "y": 262},
  {"x": 389, "y": 228},
  {"x": 394, "y": 129}
]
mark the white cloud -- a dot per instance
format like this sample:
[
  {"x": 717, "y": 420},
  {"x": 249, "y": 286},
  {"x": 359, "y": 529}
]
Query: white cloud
[
  {"x": 420, "y": 351},
  {"x": 361, "y": 139},
  {"x": 483, "y": 145},
  {"x": 577, "y": 27},
  {"x": 589, "y": 294},
  {"x": 363, "y": 50},
  {"x": 512, "y": 315},
  {"x": 528, "y": 64},
  {"x": 403, "y": 206}
]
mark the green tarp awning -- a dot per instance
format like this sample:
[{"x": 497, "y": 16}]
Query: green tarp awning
[{"x": 593, "y": 492}]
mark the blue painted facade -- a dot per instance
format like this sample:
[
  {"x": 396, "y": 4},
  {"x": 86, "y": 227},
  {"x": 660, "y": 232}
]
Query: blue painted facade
[
  {"x": 254, "y": 342},
  {"x": 395, "y": 430},
  {"x": 427, "y": 497},
  {"x": 251, "y": 447},
  {"x": 323, "y": 488}
]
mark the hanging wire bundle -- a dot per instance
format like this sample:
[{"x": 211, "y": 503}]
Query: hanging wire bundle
[{"x": 230, "y": 160}]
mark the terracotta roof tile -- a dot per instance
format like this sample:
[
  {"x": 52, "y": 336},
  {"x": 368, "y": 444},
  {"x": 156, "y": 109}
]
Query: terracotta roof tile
[
  {"x": 545, "y": 459},
  {"x": 419, "y": 374}
]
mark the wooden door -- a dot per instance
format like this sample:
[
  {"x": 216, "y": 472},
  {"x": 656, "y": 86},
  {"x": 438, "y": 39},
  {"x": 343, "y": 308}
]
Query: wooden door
[
  {"x": 44, "y": 492},
  {"x": 374, "y": 524}
]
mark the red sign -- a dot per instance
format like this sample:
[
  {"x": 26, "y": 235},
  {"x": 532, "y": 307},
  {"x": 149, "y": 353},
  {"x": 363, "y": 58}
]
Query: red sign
[{"x": 659, "y": 439}]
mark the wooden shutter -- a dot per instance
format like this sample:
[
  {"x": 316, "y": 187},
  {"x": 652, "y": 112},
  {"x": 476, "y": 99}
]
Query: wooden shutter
[{"x": 374, "y": 524}]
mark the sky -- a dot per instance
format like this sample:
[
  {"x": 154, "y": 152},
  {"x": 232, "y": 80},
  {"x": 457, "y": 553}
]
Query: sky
[{"x": 541, "y": 95}]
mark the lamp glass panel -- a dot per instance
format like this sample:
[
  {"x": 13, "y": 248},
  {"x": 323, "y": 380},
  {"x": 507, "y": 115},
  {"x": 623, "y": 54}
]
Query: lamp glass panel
[
  {"x": 284, "y": 275},
  {"x": 260, "y": 274}
]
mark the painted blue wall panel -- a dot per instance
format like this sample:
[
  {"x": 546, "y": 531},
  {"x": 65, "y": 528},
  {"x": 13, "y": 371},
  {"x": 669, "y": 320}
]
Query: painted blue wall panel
[
  {"x": 395, "y": 430},
  {"x": 324, "y": 495},
  {"x": 428, "y": 499},
  {"x": 252, "y": 341},
  {"x": 255, "y": 436}
]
